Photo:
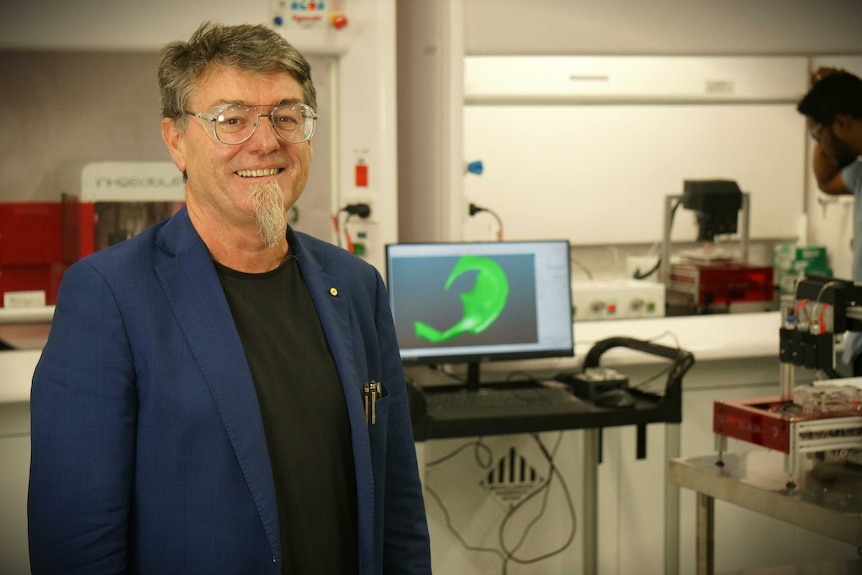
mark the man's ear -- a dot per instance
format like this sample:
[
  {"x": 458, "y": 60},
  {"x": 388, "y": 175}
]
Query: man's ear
[
  {"x": 842, "y": 124},
  {"x": 173, "y": 137}
]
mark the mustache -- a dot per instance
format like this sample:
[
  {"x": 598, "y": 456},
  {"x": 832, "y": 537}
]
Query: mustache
[{"x": 270, "y": 212}]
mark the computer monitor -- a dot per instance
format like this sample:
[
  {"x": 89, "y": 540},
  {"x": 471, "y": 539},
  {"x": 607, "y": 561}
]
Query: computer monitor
[{"x": 472, "y": 302}]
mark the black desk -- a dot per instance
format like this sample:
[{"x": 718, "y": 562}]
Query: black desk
[
  {"x": 666, "y": 408},
  {"x": 590, "y": 418},
  {"x": 442, "y": 425}
]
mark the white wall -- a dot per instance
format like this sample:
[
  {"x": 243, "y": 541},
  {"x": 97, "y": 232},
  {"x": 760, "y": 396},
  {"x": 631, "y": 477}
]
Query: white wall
[{"x": 796, "y": 28}]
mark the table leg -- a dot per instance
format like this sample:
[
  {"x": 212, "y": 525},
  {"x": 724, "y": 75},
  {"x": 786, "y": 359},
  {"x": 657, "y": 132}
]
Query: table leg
[
  {"x": 705, "y": 535},
  {"x": 590, "y": 516},
  {"x": 671, "y": 504}
]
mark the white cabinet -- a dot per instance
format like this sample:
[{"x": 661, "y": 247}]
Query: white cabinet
[{"x": 14, "y": 476}]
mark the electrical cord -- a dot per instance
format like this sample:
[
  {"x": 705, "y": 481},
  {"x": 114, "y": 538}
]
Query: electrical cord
[
  {"x": 552, "y": 471},
  {"x": 643, "y": 385},
  {"x": 360, "y": 210},
  {"x": 478, "y": 444},
  {"x": 638, "y": 275},
  {"x": 483, "y": 456},
  {"x": 474, "y": 209},
  {"x": 584, "y": 268}
]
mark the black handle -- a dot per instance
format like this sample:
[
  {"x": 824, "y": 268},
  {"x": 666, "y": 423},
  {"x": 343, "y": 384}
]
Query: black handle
[{"x": 682, "y": 359}]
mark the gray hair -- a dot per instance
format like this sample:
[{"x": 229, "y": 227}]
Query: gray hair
[{"x": 246, "y": 47}]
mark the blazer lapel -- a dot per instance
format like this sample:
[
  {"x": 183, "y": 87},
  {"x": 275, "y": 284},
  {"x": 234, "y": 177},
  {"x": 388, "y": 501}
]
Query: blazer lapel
[{"x": 192, "y": 287}]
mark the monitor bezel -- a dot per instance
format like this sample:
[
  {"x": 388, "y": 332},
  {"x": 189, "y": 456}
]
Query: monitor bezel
[{"x": 450, "y": 358}]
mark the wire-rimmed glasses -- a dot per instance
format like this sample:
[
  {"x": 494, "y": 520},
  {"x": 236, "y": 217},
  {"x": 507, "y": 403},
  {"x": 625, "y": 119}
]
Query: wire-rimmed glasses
[{"x": 234, "y": 124}]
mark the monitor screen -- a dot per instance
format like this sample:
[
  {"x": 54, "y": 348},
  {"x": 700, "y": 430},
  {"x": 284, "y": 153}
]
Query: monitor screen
[{"x": 456, "y": 302}]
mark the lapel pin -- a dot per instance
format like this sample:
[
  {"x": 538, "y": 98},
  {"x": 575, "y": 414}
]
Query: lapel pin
[{"x": 333, "y": 292}]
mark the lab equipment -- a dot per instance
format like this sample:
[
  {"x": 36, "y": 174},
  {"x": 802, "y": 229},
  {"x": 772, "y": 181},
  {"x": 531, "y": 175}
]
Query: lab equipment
[
  {"x": 712, "y": 275},
  {"x": 824, "y": 419},
  {"x": 104, "y": 203}
]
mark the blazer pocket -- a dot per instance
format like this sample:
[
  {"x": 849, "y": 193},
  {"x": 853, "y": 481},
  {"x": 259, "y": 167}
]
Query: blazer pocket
[{"x": 375, "y": 399}]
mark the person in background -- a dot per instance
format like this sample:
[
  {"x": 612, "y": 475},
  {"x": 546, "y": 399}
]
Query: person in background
[
  {"x": 222, "y": 394},
  {"x": 833, "y": 111}
]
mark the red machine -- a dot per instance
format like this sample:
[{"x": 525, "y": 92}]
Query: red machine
[
  {"x": 101, "y": 204},
  {"x": 821, "y": 418},
  {"x": 703, "y": 283}
]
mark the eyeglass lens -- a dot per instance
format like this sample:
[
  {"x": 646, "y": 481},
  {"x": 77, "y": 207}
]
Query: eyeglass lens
[
  {"x": 294, "y": 123},
  {"x": 815, "y": 132}
]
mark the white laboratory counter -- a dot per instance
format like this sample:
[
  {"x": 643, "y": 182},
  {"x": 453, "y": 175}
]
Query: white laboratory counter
[{"x": 708, "y": 337}]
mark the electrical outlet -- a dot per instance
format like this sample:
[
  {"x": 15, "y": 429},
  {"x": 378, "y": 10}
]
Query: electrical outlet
[{"x": 357, "y": 200}]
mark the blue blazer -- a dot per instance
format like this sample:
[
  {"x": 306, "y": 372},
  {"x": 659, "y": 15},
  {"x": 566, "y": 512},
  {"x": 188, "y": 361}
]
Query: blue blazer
[{"x": 148, "y": 450}]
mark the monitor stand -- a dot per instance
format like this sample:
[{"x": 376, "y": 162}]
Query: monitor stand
[{"x": 472, "y": 383}]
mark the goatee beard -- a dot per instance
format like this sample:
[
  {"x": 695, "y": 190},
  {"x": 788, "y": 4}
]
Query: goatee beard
[{"x": 269, "y": 211}]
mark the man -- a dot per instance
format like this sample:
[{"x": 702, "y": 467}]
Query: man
[
  {"x": 222, "y": 394},
  {"x": 833, "y": 110}
]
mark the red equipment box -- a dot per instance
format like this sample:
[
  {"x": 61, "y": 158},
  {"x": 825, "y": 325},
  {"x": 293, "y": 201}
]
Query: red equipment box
[
  {"x": 770, "y": 422},
  {"x": 30, "y": 249},
  {"x": 720, "y": 282}
]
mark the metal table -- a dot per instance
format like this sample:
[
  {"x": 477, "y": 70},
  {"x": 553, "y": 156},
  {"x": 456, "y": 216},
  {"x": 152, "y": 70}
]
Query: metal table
[{"x": 827, "y": 498}]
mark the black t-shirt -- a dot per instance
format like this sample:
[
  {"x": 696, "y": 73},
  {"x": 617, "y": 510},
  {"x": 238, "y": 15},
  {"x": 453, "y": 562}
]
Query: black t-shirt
[{"x": 304, "y": 416}]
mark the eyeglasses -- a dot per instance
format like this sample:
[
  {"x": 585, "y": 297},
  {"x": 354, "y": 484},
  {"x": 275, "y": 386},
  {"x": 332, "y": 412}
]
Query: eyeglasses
[
  {"x": 815, "y": 132},
  {"x": 233, "y": 125}
]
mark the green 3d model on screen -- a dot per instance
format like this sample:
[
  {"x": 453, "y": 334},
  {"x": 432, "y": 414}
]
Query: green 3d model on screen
[{"x": 482, "y": 305}]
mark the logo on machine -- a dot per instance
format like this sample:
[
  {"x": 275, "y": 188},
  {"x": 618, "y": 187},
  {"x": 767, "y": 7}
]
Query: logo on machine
[
  {"x": 512, "y": 479},
  {"x": 130, "y": 181},
  {"x": 139, "y": 182}
]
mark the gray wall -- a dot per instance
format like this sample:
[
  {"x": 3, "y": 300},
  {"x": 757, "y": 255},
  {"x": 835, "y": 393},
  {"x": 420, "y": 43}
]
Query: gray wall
[{"x": 63, "y": 108}]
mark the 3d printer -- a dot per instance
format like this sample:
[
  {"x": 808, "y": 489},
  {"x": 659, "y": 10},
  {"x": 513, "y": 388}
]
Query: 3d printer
[
  {"x": 104, "y": 203},
  {"x": 708, "y": 276},
  {"x": 823, "y": 418}
]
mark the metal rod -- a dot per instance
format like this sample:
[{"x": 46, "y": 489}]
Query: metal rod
[{"x": 746, "y": 220}]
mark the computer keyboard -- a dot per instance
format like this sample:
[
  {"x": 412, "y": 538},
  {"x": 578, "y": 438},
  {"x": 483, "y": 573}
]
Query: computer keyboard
[{"x": 500, "y": 402}]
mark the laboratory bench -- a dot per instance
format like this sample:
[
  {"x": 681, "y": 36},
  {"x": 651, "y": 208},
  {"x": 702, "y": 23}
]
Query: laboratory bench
[{"x": 826, "y": 499}]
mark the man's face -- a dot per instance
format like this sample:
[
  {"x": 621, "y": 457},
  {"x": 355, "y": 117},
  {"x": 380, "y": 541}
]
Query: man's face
[
  {"x": 832, "y": 144},
  {"x": 221, "y": 176}
]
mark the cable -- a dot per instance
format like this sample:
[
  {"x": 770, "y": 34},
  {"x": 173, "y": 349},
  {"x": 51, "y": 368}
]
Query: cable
[
  {"x": 474, "y": 209},
  {"x": 362, "y": 210},
  {"x": 552, "y": 470},
  {"x": 581, "y": 265},
  {"x": 638, "y": 275},
  {"x": 448, "y": 518},
  {"x": 667, "y": 333},
  {"x": 454, "y": 531},
  {"x": 642, "y": 385},
  {"x": 476, "y": 444},
  {"x": 483, "y": 456}
]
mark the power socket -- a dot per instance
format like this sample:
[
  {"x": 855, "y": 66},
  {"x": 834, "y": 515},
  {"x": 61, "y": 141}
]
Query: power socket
[{"x": 360, "y": 223}]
